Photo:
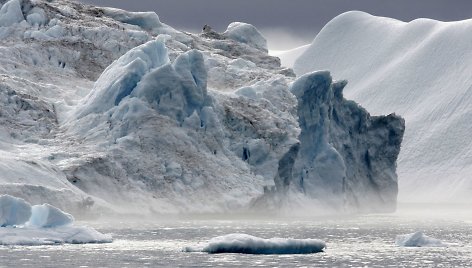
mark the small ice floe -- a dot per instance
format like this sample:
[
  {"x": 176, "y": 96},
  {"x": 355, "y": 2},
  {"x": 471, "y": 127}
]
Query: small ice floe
[
  {"x": 418, "y": 239},
  {"x": 248, "y": 244},
  {"x": 23, "y": 224}
]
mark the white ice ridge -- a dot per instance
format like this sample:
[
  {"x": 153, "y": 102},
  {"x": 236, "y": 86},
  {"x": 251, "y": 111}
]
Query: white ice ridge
[
  {"x": 248, "y": 244},
  {"x": 421, "y": 70},
  {"x": 23, "y": 224},
  {"x": 418, "y": 239}
]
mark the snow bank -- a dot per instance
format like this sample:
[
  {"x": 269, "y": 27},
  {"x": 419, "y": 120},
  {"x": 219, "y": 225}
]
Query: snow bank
[
  {"x": 248, "y": 244},
  {"x": 23, "y": 224},
  {"x": 418, "y": 239},
  {"x": 413, "y": 70},
  {"x": 246, "y": 33},
  {"x": 11, "y": 13}
]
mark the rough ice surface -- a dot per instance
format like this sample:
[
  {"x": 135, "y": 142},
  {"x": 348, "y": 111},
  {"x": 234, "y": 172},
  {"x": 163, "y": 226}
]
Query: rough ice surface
[
  {"x": 13, "y": 211},
  {"x": 122, "y": 76},
  {"x": 37, "y": 17},
  {"x": 409, "y": 68},
  {"x": 418, "y": 239},
  {"x": 248, "y": 244},
  {"x": 145, "y": 20},
  {"x": 344, "y": 157},
  {"x": 11, "y": 13},
  {"x": 130, "y": 113},
  {"x": 23, "y": 224},
  {"x": 246, "y": 33}
]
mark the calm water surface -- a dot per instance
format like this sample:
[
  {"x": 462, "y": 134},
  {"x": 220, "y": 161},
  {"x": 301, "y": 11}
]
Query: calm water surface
[{"x": 362, "y": 241}]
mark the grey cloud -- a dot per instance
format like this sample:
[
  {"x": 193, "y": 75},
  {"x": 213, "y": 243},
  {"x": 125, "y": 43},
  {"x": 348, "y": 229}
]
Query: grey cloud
[{"x": 301, "y": 18}]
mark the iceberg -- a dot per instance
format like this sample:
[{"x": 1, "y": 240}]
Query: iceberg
[
  {"x": 411, "y": 69},
  {"x": 248, "y": 244},
  {"x": 418, "y": 239},
  {"x": 23, "y": 224},
  {"x": 132, "y": 113}
]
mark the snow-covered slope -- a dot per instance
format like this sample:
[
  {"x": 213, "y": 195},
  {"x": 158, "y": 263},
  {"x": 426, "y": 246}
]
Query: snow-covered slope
[
  {"x": 106, "y": 108},
  {"x": 420, "y": 70}
]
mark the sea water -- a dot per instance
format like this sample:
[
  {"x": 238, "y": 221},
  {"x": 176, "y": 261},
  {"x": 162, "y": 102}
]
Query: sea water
[{"x": 354, "y": 241}]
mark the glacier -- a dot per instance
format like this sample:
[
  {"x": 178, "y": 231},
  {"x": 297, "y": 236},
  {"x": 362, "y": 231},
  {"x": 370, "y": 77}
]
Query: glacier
[
  {"x": 23, "y": 224},
  {"x": 108, "y": 111},
  {"x": 421, "y": 71}
]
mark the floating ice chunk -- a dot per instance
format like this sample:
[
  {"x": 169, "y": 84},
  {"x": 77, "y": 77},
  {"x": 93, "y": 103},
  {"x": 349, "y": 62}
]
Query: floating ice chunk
[
  {"x": 248, "y": 244},
  {"x": 13, "y": 211},
  {"x": 47, "y": 236},
  {"x": 246, "y": 33},
  {"x": 418, "y": 239},
  {"x": 47, "y": 216},
  {"x": 41, "y": 225},
  {"x": 11, "y": 13}
]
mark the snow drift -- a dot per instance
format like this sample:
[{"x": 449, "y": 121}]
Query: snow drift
[
  {"x": 419, "y": 70},
  {"x": 418, "y": 239},
  {"x": 248, "y": 244},
  {"x": 23, "y": 224}
]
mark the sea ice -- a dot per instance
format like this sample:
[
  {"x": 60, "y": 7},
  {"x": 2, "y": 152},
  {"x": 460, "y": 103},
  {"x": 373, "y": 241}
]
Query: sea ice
[
  {"x": 248, "y": 244},
  {"x": 418, "y": 239}
]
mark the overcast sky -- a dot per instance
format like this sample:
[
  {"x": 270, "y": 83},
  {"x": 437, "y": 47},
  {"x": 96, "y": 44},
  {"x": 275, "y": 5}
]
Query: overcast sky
[{"x": 287, "y": 23}]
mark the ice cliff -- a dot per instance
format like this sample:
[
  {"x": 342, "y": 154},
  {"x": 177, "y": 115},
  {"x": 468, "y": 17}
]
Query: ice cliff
[{"x": 108, "y": 109}]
